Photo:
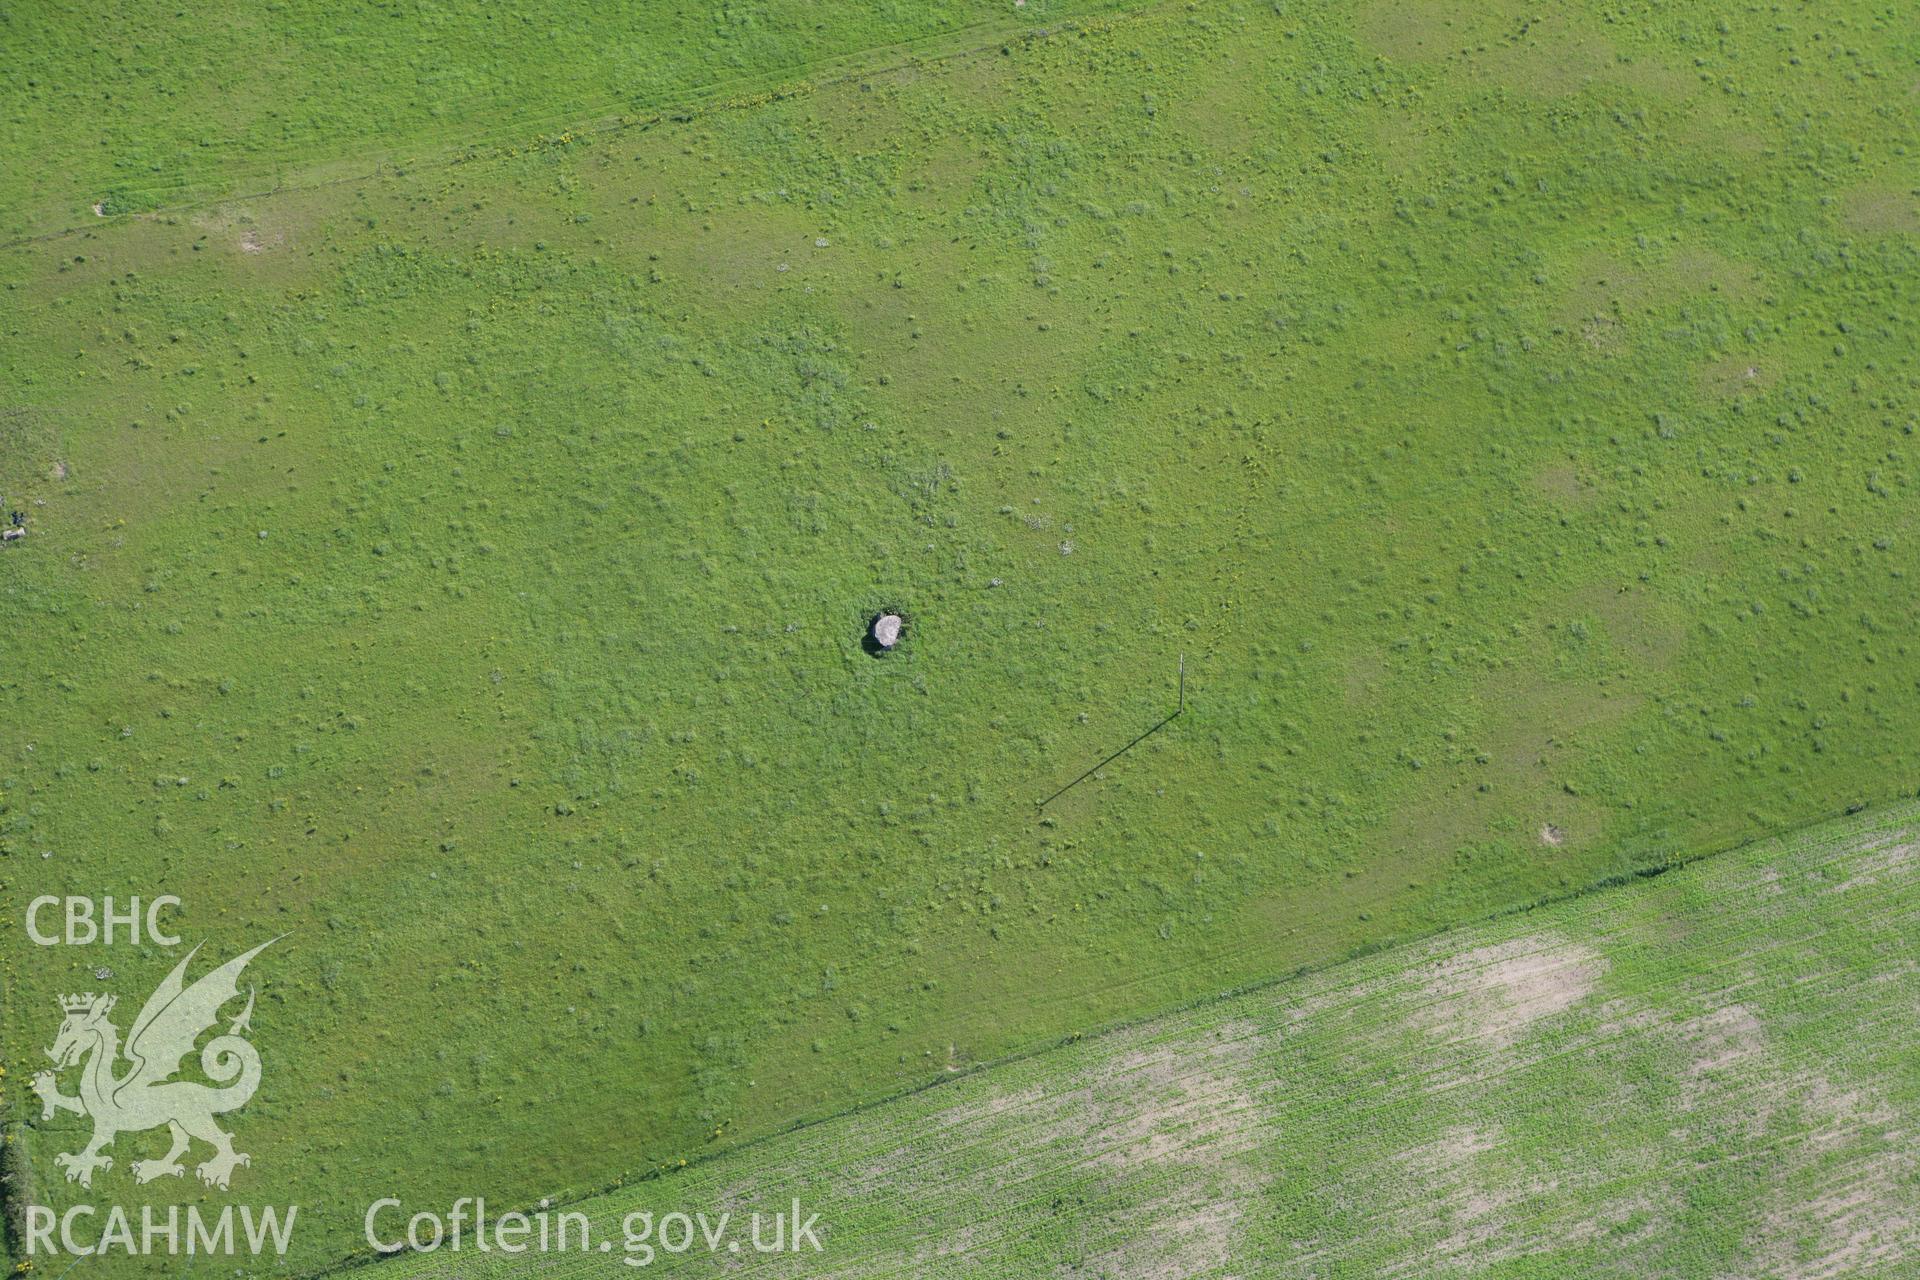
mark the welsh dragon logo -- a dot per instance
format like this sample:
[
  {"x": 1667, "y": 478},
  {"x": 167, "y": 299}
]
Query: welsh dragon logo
[{"x": 145, "y": 1096}]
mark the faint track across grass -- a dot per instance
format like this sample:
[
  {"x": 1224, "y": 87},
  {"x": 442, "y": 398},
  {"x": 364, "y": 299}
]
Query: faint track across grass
[{"x": 604, "y": 118}]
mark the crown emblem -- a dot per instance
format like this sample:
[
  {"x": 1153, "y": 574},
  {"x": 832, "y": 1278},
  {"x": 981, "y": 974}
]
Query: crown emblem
[{"x": 82, "y": 1003}]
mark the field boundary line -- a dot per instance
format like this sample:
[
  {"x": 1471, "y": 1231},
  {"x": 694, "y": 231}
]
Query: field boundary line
[
  {"x": 795, "y": 81},
  {"x": 1870, "y": 817}
]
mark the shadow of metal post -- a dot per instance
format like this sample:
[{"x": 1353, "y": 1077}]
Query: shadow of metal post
[{"x": 1167, "y": 720}]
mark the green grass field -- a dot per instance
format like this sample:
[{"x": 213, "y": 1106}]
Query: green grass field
[
  {"x": 1507, "y": 412},
  {"x": 181, "y": 105},
  {"x": 1706, "y": 1074}
]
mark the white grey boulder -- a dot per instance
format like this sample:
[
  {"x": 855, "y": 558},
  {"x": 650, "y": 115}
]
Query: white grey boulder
[{"x": 886, "y": 630}]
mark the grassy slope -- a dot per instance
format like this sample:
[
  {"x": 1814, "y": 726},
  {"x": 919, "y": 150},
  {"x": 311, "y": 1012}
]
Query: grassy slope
[
  {"x": 1706, "y": 1074},
  {"x": 169, "y": 104},
  {"x": 1405, "y": 391}
]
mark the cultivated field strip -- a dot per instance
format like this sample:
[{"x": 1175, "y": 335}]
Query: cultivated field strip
[{"x": 1706, "y": 1073}]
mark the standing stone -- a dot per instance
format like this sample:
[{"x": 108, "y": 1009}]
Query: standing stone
[{"x": 886, "y": 630}]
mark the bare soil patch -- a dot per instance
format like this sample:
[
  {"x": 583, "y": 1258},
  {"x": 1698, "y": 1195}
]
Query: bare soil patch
[
  {"x": 1608, "y": 293},
  {"x": 1643, "y": 628},
  {"x": 1562, "y": 483},
  {"x": 1496, "y": 993},
  {"x": 1880, "y": 211},
  {"x": 1737, "y": 375},
  {"x": 1895, "y": 861}
]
